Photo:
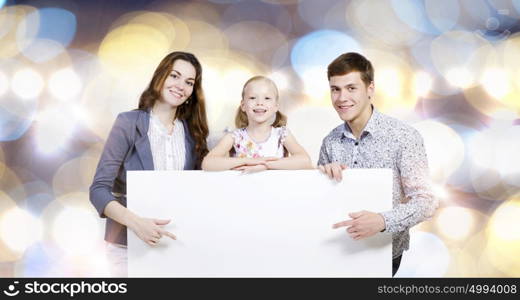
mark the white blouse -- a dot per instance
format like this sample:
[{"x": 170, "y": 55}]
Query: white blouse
[{"x": 168, "y": 150}]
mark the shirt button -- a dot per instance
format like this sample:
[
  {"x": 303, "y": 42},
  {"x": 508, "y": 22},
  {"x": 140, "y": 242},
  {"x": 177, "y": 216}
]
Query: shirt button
[
  {"x": 355, "y": 162},
  {"x": 357, "y": 143}
]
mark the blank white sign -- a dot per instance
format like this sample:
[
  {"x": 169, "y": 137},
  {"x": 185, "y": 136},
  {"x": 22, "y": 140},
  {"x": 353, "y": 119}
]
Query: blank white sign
[{"x": 266, "y": 224}]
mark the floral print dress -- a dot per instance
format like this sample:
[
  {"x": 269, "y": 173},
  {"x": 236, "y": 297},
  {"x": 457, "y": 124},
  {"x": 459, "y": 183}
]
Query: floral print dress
[{"x": 245, "y": 146}]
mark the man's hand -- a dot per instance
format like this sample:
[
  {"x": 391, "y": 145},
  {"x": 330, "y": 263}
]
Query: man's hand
[
  {"x": 333, "y": 170},
  {"x": 363, "y": 224}
]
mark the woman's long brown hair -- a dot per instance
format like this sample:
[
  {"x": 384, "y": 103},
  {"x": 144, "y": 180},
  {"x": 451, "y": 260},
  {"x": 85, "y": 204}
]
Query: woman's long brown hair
[{"x": 193, "y": 110}]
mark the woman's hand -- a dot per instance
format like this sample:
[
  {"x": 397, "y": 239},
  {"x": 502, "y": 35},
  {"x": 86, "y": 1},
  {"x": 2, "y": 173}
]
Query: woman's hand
[{"x": 150, "y": 230}]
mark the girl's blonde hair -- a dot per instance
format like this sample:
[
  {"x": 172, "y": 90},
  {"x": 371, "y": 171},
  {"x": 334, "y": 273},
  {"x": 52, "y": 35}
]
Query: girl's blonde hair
[{"x": 241, "y": 117}]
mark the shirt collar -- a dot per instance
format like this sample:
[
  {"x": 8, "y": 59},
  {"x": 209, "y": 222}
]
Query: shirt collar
[
  {"x": 372, "y": 127},
  {"x": 156, "y": 122}
]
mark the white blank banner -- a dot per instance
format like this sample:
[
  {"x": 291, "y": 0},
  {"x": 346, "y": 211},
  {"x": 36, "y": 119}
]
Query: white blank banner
[{"x": 267, "y": 224}]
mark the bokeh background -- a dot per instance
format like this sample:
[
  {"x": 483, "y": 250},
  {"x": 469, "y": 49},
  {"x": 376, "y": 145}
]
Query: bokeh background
[{"x": 449, "y": 68}]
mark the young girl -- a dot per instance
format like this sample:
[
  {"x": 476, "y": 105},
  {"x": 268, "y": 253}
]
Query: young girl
[{"x": 258, "y": 143}]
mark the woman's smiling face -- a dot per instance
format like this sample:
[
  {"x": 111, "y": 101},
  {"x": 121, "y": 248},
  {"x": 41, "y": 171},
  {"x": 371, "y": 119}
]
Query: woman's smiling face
[{"x": 178, "y": 86}]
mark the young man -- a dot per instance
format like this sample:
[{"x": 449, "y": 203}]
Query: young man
[{"x": 369, "y": 139}]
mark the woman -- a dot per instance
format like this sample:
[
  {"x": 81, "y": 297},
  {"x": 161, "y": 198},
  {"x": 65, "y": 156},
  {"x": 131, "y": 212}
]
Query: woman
[{"x": 167, "y": 132}]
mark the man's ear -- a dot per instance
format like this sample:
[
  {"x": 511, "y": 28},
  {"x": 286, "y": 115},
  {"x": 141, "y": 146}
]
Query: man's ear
[{"x": 370, "y": 90}]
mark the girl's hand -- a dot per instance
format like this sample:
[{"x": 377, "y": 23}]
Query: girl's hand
[
  {"x": 253, "y": 161},
  {"x": 271, "y": 158},
  {"x": 251, "y": 169},
  {"x": 150, "y": 230},
  {"x": 259, "y": 161},
  {"x": 255, "y": 164}
]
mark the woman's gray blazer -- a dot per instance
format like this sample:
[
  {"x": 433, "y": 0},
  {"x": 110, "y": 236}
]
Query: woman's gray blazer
[{"x": 126, "y": 149}]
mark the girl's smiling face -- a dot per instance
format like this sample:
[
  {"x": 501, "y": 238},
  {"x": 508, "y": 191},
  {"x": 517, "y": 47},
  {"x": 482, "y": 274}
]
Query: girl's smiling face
[{"x": 259, "y": 101}]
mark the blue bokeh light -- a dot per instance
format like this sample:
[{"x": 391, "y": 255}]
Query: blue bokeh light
[
  {"x": 319, "y": 48},
  {"x": 56, "y": 30},
  {"x": 12, "y": 127},
  {"x": 413, "y": 13},
  {"x": 57, "y": 24},
  {"x": 36, "y": 203},
  {"x": 258, "y": 11},
  {"x": 447, "y": 20},
  {"x": 318, "y": 15},
  {"x": 516, "y": 3},
  {"x": 421, "y": 54},
  {"x": 225, "y": 1},
  {"x": 38, "y": 262},
  {"x": 461, "y": 178}
]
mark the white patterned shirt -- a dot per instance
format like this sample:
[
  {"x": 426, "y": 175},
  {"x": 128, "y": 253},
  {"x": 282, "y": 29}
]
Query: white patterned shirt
[
  {"x": 168, "y": 150},
  {"x": 388, "y": 143}
]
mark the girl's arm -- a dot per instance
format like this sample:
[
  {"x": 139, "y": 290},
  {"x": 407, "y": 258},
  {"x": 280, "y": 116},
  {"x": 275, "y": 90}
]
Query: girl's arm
[
  {"x": 218, "y": 158},
  {"x": 299, "y": 158}
]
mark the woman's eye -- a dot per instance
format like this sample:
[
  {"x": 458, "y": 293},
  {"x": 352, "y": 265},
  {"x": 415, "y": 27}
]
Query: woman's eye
[{"x": 190, "y": 83}]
